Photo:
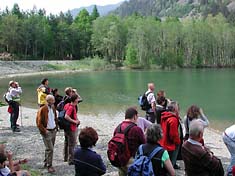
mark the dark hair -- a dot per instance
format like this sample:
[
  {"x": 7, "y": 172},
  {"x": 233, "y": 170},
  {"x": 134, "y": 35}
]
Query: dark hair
[
  {"x": 130, "y": 112},
  {"x": 88, "y": 137},
  {"x": 153, "y": 134},
  {"x": 161, "y": 100},
  {"x": 160, "y": 93},
  {"x": 44, "y": 80},
  {"x": 3, "y": 157},
  {"x": 74, "y": 97},
  {"x": 54, "y": 91},
  {"x": 193, "y": 112}
]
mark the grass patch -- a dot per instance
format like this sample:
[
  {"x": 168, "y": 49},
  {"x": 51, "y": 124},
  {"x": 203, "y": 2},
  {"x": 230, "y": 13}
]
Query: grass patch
[
  {"x": 32, "y": 172},
  {"x": 2, "y": 104}
]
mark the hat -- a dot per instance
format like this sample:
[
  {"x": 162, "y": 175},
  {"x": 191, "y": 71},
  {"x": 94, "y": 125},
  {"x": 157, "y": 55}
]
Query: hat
[{"x": 11, "y": 82}]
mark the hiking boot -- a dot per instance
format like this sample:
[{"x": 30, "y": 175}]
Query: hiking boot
[
  {"x": 16, "y": 130},
  {"x": 51, "y": 169}
]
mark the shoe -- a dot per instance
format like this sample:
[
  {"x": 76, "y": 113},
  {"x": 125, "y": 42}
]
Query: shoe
[
  {"x": 16, "y": 130},
  {"x": 51, "y": 170},
  {"x": 17, "y": 125},
  {"x": 177, "y": 166}
]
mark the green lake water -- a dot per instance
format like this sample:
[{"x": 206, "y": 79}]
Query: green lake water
[{"x": 111, "y": 92}]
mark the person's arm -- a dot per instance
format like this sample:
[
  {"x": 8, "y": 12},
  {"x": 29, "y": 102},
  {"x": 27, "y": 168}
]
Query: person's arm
[
  {"x": 69, "y": 114},
  {"x": 9, "y": 157},
  {"x": 173, "y": 130},
  {"x": 212, "y": 163},
  {"x": 204, "y": 119},
  {"x": 169, "y": 167},
  {"x": 39, "y": 120}
]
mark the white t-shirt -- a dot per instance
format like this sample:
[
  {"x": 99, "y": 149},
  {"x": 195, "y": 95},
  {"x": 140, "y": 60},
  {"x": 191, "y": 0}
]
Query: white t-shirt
[{"x": 230, "y": 131}]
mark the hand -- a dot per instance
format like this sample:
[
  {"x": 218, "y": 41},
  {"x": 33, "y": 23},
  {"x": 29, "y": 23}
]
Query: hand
[
  {"x": 9, "y": 155},
  {"x": 23, "y": 161},
  {"x": 77, "y": 122},
  {"x": 201, "y": 111}
]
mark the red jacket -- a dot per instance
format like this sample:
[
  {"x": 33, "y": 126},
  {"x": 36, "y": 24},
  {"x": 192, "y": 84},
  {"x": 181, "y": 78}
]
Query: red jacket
[{"x": 169, "y": 124}]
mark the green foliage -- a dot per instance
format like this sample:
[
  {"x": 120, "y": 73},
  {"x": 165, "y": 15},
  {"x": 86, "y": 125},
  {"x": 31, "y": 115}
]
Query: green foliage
[
  {"x": 98, "y": 64},
  {"x": 31, "y": 171},
  {"x": 136, "y": 41},
  {"x": 131, "y": 56}
]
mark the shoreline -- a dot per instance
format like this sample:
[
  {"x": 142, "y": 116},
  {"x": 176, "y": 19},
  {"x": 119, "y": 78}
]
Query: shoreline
[{"x": 28, "y": 142}]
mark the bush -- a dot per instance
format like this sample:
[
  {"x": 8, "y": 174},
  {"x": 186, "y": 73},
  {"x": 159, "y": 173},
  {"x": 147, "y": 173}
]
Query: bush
[{"x": 98, "y": 64}]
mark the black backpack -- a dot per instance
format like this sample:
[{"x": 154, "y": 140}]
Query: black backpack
[
  {"x": 143, "y": 102},
  {"x": 62, "y": 122}
]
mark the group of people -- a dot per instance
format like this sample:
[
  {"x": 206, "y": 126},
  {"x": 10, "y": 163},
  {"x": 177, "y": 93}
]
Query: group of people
[
  {"x": 47, "y": 121},
  {"x": 162, "y": 126}
]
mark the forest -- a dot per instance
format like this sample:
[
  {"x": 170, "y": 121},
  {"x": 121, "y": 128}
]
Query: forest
[{"x": 135, "y": 41}]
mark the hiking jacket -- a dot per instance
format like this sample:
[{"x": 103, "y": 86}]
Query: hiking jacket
[
  {"x": 43, "y": 91},
  {"x": 170, "y": 126},
  {"x": 42, "y": 118}
]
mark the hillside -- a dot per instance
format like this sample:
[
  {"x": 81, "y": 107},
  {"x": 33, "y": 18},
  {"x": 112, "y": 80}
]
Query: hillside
[
  {"x": 103, "y": 10},
  {"x": 176, "y": 8}
]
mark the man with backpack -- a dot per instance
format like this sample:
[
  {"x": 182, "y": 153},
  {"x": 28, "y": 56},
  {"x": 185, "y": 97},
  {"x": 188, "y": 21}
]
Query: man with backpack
[
  {"x": 125, "y": 142},
  {"x": 151, "y": 111},
  {"x": 13, "y": 99}
]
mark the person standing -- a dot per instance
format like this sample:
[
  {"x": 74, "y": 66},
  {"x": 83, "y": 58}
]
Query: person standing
[
  {"x": 72, "y": 133},
  {"x": 170, "y": 128},
  {"x": 47, "y": 124},
  {"x": 194, "y": 113},
  {"x": 135, "y": 136},
  {"x": 198, "y": 159},
  {"x": 14, "y": 102},
  {"x": 86, "y": 160},
  {"x": 229, "y": 141},
  {"x": 151, "y": 113},
  {"x": 43, "y": 90}
]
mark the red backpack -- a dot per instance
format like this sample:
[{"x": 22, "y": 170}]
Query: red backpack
[{"x": 118, "y": 151}]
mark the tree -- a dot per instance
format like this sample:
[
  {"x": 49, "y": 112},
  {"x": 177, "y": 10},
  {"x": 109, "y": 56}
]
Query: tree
[{"x": 95, "y": 14}]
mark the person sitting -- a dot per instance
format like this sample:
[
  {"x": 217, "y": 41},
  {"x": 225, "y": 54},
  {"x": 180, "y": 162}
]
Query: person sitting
[
  {"x": 11, "y": 167},
  {"x": 87, "y": 161},
  {"x": 161, "y": 161},
  {"x": 198, "y": 159}
]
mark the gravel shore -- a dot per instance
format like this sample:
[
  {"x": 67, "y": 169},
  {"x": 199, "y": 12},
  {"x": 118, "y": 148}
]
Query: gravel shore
[{"x": 28, "y": 143}]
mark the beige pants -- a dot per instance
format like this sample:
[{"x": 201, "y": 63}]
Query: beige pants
[
  {"x": 49, "y": 141},
  {"x": 70, "y": 142}
]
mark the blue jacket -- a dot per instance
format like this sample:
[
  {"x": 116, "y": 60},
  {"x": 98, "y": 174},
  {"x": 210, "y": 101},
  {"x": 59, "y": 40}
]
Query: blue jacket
[{"x": 88, "y": 162}]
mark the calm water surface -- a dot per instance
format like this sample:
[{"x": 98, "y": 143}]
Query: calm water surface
[{"x": 111, "y": 92}]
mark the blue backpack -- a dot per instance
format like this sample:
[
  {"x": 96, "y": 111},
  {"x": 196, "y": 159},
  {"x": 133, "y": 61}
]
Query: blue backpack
[
  {"x": 143, "y": 102},
  {"x": 142, "y": 166}
]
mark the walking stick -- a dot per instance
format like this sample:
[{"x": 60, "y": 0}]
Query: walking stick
[{"x": 21, "y": 116}]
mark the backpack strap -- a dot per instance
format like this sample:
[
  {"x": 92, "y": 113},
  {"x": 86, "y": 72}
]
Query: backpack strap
[
  {"x": 119, "y": 130},
  {"x": 155, "y": 151}
]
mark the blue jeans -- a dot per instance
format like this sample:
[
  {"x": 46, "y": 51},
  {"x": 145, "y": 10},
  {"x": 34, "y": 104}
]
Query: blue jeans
[{"x": 230, "y": 144}]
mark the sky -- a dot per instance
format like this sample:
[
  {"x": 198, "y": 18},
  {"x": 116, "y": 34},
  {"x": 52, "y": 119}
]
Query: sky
[{"x": 54, "y": 6}]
